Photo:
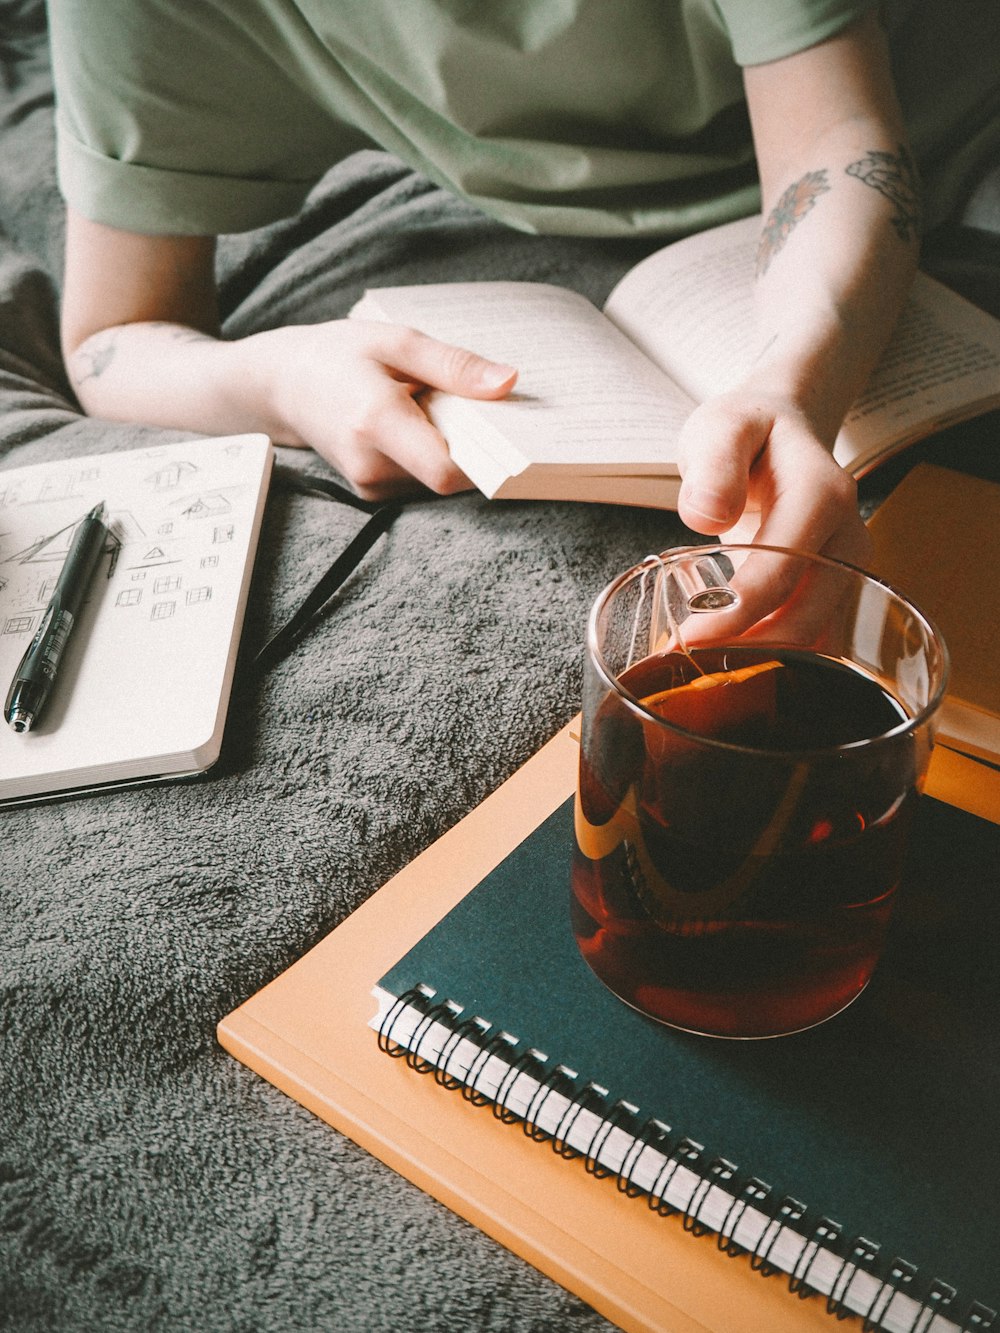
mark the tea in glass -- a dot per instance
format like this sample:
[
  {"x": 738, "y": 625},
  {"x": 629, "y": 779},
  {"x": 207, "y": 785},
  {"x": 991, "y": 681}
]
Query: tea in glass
[{"x": 743, "y": 804}]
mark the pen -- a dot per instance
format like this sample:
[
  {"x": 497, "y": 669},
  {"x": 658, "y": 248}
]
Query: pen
[{"x": 36, "y": 674}]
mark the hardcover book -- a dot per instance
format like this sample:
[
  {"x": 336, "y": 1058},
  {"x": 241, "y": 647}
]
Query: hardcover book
[{"x": 936, "y": 539}]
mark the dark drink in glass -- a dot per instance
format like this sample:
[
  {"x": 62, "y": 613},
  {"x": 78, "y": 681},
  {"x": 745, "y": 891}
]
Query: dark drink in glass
[{"x": 741, "y": 824}]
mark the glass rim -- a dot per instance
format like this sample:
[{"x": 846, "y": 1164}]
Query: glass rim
[{"x": 908, "y": 725}]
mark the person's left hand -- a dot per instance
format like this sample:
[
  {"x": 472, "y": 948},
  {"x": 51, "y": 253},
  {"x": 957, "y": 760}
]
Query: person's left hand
[{"x": 753, "y": 461}]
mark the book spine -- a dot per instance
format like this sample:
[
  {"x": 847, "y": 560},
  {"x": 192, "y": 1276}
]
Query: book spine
[{"x": 645, "y": 1158}]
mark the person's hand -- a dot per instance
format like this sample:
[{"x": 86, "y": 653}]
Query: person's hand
[
  {"x": 142, "y": 342},
  {"x": 755, "y": 468},
  {"x": 348, "y": 389}
]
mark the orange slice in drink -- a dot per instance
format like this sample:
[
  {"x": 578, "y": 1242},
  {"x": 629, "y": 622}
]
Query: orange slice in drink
[{"x": 717, "y": 704}]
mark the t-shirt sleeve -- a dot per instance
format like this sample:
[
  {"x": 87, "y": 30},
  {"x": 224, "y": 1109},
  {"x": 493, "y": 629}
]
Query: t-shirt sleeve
[
  {"x": 174, "y": 118},
  {"x": 770, "y": 29}
]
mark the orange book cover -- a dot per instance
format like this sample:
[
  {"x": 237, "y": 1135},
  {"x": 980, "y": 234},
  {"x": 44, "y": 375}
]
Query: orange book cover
[
  {"x": 307, "y": 1033},
  {"x": 936, "y": 540}
]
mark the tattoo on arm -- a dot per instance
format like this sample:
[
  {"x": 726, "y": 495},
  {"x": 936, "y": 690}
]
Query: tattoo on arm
[
  {"x": 91, "y": 361},
  {"x": 895, "y": 176},
  {"x": 790, "y": 209},
  {"x": 93, "y": 357}
]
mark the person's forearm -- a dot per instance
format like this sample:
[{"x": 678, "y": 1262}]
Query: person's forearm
[
  {"x": 345, "y": 388},
  {"x": 837, "y": 255},
  {"x": 837, "y": 252},
  {"x": 841, "y": 209},
  {"x": 169, "y": 374},
  {"x": 139, "y": 326}
]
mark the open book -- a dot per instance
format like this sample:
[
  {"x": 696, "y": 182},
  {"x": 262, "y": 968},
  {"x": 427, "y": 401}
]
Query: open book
[
  {"x": 601, "y": 398},
  {"x": 144, "y": 685}
]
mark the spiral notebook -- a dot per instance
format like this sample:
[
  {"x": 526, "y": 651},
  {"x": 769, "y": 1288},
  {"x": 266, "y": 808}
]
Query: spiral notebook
[{"x": 856, "y": 1161}]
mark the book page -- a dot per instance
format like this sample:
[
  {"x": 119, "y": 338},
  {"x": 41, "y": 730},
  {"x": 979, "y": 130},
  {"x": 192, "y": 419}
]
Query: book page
[
  {"x": 689, "y": 307},
  {"x": 585, "y": 398},
  {"x": 942, "y": 365}
]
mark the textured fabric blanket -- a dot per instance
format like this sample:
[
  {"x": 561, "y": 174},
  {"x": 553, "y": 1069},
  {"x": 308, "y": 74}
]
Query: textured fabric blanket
[{"x": 146, "y": 1179}]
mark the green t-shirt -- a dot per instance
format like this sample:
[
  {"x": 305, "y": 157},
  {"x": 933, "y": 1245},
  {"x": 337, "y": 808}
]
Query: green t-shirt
[{"x": 582, "y": 117}]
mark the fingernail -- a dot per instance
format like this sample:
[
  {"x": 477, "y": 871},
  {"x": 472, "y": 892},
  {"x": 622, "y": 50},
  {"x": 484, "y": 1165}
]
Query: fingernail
[
  {"x": 709, "y": 505},
  {"x": 493, "y": 375}
]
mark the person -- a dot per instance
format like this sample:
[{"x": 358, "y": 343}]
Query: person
[{"x": 643, "y": 117}]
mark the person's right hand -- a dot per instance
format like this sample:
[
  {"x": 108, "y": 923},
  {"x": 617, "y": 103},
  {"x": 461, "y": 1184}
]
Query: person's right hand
[
  {"x": 349, "y": 388},
  {"x": 757, "y": 467},
  {"x": 758, "y": 470}
]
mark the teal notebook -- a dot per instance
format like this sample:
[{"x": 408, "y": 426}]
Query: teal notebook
[{"x": 859, "y": 1158}]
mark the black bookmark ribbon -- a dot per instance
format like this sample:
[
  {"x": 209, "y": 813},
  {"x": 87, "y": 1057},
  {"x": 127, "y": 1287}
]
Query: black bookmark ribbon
[{"x": 381, "y": 515}]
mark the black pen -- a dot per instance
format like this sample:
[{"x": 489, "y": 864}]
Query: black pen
[{"x": 34, "y": 678}]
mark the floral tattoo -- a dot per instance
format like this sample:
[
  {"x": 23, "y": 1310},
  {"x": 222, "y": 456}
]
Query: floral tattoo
[
  {"x": 894, "y": 175},
  {"x": 793, "y": 205}
]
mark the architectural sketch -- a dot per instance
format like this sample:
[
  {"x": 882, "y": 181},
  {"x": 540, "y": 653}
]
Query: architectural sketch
[
  {"x": 210, "y": 504},
  {"x": 169, "y": 477},
  {"x": 52, "y": 549},
  {"x": 168, "y": 518},
  {"x": 151, "y": 557},
  {"x": 49, "y": 549},
  {"x": 65, "y": 488},
  {"x": 125, "y": 527}
]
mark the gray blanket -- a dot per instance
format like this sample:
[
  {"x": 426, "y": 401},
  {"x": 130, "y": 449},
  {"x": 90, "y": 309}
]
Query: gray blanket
[{"x": 146, "y": 1179}]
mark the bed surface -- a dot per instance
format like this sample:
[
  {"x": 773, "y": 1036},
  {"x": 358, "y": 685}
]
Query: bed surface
[{"x": 146, "y": 1178}]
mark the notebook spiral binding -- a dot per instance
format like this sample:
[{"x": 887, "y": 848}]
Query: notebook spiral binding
[{"x": 824, "y": 1237}]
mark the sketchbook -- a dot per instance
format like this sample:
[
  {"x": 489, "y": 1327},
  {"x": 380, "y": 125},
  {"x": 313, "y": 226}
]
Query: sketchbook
[
  {"x": 855, "y": 1162},
  {"x": 602, "y": 395},
  {"x": 143, "y": 688}
]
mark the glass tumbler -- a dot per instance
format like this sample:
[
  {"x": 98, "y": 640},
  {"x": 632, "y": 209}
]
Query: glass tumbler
[{"x": 757, "y": 724}]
